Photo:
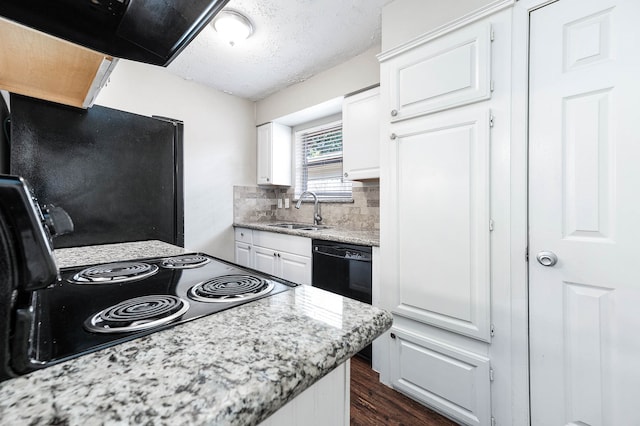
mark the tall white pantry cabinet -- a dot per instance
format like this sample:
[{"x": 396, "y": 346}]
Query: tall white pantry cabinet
[{"x": 445, "y": 107}]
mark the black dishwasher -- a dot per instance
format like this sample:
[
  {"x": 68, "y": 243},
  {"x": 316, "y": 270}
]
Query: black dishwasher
[{"x": 344, "y": 269}]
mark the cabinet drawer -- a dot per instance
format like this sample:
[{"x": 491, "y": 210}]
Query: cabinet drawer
[
  {"x": 452, "y": 380},
  {"x": 281, "y": 242},
  {"x": 244, "y": 235},
  {"x": 449, "y": 71}
]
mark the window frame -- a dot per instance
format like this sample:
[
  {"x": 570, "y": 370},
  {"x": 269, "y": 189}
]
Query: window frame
[{"x": 301, "y": 167}]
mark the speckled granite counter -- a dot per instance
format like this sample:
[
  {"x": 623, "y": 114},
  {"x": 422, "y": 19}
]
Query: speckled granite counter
[
  {"x": 366, "y": 238},
  {"x": 234, "y": 367},
  {"x": 80, "y": 256}
]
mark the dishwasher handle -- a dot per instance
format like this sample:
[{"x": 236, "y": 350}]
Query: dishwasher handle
[{"x": 342, "y": 253}]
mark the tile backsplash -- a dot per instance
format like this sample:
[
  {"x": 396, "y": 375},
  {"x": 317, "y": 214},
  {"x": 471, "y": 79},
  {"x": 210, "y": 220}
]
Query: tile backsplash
[{"x": 259, "y": 204}]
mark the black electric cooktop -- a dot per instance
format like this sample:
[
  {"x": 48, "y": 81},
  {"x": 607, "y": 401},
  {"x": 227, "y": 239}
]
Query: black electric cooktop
[{"x": 98, "y": 306}]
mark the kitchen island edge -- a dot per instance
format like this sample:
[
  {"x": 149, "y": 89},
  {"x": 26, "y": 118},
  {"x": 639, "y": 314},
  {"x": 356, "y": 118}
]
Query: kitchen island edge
[{"x": 234, "y": 367}]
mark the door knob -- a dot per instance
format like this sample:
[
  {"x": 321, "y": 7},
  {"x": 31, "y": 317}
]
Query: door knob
[{"x": 547, "y": 258}]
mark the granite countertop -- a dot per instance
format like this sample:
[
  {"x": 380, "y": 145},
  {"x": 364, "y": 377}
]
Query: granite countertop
[
  {"x": 234, "y": 367},
  {"x": 81, "y": 256},
  {"x": 365, "y": 238}
]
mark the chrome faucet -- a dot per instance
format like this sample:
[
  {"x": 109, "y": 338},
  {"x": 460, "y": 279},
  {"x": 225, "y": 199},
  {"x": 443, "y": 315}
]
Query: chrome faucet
[{"x": 316, "y": 206}]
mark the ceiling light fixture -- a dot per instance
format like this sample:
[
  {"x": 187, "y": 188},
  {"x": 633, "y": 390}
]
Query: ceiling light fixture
[{"x": 233, "y": 26}]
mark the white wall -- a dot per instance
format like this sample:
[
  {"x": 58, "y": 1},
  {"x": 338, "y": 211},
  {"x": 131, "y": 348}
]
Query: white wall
[
  {"x": 350, "y": 76},
  {"x": 403, "y": 20},
  {"x": 219, "y": 145}
]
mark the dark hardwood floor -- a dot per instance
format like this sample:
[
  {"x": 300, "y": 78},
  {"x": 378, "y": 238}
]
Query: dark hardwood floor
[{"x": 374, "y": 404}]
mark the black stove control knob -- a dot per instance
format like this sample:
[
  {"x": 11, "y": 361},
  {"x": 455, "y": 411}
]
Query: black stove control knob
[{"x": 56, "y": 220}]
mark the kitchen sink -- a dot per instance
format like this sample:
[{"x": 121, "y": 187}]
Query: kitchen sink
[{"x": 299, "y": 226}]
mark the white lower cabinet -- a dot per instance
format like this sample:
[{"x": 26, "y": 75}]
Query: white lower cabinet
[
  {"x": 294, "y": 267},
  {"x": 326, "y": 402},
  {"x": 266, "y": 260},
  {"x": 244, "y": 255},
  {"x": 446, "y": 377},
  {"x": 243, "y": 248},
  {"x": 281, "y": 255}
]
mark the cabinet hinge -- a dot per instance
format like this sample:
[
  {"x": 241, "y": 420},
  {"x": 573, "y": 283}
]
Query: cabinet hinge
[
  {"x": 491, "y": 375},
  {"x": 492, "y": 330},
  {"x": 526, "y": 254},
  {"x": 491, "y": 120},
  {"x": 490, "y": 224},
  {"x": 491, "y": 85},
  {"x": 493, "y": 421},
  {"x": 492, "y": 35}
]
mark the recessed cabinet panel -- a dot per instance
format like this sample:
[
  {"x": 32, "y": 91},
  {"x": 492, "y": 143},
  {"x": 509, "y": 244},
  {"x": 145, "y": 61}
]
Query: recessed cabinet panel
[
  {"x": 295, "y": 268},
  {"x": 264, "y": 155},
  {"x": 243, "y": 254},
  {"x": 442, "y": 186},
  {"x": 265, "y": 260},
  {"x": 452, "y": 380},
  {"x": 450, "y": 71},
  {"x": 274, "y": 154},
  {"x": 244, "y": 235},
  {"x": 361, "y": 135},
  {"x": 284, "y": 256}
]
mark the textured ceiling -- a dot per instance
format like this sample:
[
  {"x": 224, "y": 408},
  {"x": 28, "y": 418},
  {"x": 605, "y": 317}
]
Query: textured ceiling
[{"x": 292, "y": 41}]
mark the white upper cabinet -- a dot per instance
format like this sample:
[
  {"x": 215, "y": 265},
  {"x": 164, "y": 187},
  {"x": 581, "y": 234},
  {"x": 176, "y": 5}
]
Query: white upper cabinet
[
  {"x": 274, "y": 154},
  {"x": 449, "y": 71},
  {"x": 361, "y": 135}
]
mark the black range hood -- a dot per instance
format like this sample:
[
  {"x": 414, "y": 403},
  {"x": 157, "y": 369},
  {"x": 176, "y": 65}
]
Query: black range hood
[{"x": 151, "y": 31}]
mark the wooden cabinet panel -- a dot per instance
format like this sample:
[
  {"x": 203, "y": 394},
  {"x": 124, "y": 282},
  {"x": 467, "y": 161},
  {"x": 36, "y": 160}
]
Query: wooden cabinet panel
[{"x": 38, "y": 65}]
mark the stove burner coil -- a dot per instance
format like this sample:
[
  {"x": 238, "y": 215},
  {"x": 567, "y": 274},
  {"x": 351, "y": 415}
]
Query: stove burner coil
[
  {"x": 114, "y": 273},
  {"x": 186, "y": 261},
  {"x": 140, "y": 313},
  {"x": 230, "y": 288}
]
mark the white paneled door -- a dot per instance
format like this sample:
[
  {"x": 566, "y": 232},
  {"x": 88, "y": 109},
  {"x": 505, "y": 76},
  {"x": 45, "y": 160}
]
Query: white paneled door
[
  {"x": 442, "y": 184},
  {"x": 584, "y": 189}
]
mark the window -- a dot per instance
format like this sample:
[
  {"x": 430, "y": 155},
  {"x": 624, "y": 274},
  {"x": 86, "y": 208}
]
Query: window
[{"x": 319, "y": 162}]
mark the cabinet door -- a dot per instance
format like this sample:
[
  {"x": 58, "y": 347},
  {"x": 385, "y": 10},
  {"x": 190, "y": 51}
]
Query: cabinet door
[
  {"x": 295, "y": 268},
  {"x": 264, "y": 152},
  {"x": 452, "y": 380},
  {"x": 243, "y": 254},
  {"x": 361, "y": 135},
  {"x": 274, "y": 154},
  {"x": 326, "y": 402},
  {"x": 265, "y": 260},
  {"x": 450, "y": 71},
  {"x": 440, "y": 204}
]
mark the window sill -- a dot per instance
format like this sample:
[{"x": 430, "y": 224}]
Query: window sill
[{"x": 327, "y": 201}]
